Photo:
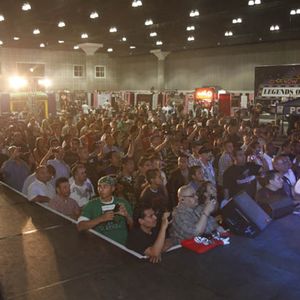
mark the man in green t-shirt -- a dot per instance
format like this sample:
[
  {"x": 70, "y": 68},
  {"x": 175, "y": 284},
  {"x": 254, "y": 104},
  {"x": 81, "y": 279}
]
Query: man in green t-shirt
[{"x": 108, "y": 215}]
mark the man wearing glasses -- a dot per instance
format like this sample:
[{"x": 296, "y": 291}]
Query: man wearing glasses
[{"x": 191, "y": 219}]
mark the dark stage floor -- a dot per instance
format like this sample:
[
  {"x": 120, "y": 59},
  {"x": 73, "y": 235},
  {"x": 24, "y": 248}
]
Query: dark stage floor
[{"x": 44, "y": 257}]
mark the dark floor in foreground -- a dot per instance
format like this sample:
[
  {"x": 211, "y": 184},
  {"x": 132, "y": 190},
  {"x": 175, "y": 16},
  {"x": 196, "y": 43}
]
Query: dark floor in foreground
[{"x": 50, "y": 260}]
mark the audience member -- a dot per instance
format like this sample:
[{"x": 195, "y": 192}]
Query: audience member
[
  {"x": 108, "y": 215},
  {"x": 62, "y": 201}
]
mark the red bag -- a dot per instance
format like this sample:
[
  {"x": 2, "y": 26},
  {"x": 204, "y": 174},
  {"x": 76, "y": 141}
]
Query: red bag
[{"x": 202, "y": 248}]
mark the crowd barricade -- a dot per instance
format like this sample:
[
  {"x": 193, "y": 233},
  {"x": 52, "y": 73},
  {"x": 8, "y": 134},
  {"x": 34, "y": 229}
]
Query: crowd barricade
[{"x": 122, "y": 247}]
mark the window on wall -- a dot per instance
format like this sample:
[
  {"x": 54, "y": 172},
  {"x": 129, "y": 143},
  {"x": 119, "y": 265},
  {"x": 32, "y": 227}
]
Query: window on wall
[
  {"x": 78, "y": 71},
  {"x": 31, "y": 69},
  {"x": 100, "y": 72}
]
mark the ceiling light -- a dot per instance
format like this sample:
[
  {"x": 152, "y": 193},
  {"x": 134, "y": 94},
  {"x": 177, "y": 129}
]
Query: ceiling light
[
  {"x": 237, "y": 21},
  {"x": 76, "y": 47},
  {"x": 124, "y": 39},
  {"x": 26, "y": 6},
  {"x": 36, "y": 31},
  {"x": 16, "y": 38},
  {"x": 113, "y": 29},
  {"x": 194, "y": 13},
  {"x": 94, "y": 15},
  {"x": 254, "y": 2},
  {"x": 132, "y": 47},
  {"x": 84, "y": 35},
  {"x": 42, "y": 45},
  {"x": 110, "y": 50},
  {"x": 190, "y": 28},
  {"x": 61, "y": 24},
  {"x": 228, "y": 33},
  {"x": 2, "y": 18},
  {"x": 148, "y": 22},
  {"x": 61, "y": 42},
  {"x": 159, "y": 43},
  {"x": 190, "y": 38},
  {"x": 1, "y": 43},
  {"x": 152, "y": 34},
  {"x": 274, "y": 28},
  {"x": 136, "y": 3},
  {"x": 292, "y": 12}
]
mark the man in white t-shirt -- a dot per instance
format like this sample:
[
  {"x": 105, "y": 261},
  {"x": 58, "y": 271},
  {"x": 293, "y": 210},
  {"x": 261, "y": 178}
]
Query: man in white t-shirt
[
  {"x": 41, "y": 190},
  {"x": 82, "y": 189}
]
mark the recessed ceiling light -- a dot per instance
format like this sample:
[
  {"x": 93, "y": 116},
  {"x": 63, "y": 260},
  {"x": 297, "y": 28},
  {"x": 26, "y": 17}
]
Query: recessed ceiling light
[
  {"x": 76, "y": 47},
  {"x": 1, "y": 43},
  {"x": 132, "y": 47},
  {"x": 2, "y": 18},
  {"x": 190, "y": 28},
  {"x": 194, "y": 13},
  {"x": 254, "y": 2},
  {"x": 274, "y": 28},
  {"x": 148, "y": 22},
  {"x": 228, "y": 33},
  {"x": 136, "y": 3},
  {"x": 94, "y": 15},
  {"x": 298, "y": 11},
  {"x": 42, "y": 45},
  {"x": 113, "y": 29},
  {"x": 191, "y": 38},
  {"x": 152, "y": 34},
  {"x": 61, "y": 24},
  {"x": 16, "y": 38},
  {"x": 237, "y": 21},
  {"x": 61, "y": 41},
  {"x": 36, "y": 31},
  {"x": 110, "y": 50},
  {"x": 84, "y": 35},
  {"x": 124, "y": 39},
  {"x": 159, "y": 43},
  {"x": 26, "y": 6}
]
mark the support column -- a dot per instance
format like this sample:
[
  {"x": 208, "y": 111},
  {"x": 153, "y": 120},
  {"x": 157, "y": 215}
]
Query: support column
[
  {"x": 89, "y": 49},
  {"x": 161, "y": 55}
]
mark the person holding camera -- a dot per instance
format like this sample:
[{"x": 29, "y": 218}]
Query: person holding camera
[
  {"x": 106, "y": 214},
  {"x": 192, "y": 216}
]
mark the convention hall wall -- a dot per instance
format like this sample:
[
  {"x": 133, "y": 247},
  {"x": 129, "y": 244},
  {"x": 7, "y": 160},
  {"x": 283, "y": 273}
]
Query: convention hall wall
[
  {"x": 229, "y": 67},
  {"x": 59, "y": 67}
]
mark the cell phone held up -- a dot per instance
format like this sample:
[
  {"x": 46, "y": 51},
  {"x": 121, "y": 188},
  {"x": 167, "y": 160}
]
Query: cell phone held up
[{"x": 117, "y": 208}]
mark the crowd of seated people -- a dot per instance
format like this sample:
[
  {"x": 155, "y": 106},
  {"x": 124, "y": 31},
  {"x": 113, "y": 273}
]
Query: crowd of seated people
[{"x": 124, "y": 173}]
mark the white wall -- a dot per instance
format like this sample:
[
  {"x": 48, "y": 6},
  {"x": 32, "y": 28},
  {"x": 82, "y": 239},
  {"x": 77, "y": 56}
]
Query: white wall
[
  {"x": 229, "y": 67},
  {"x": 59, "y": 68}
]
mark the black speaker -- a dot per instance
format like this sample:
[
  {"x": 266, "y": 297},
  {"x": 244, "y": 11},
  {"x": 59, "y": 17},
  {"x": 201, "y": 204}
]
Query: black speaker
[
  {"x": 244, "y": 216},
  {"x": 278, "y": 207}
]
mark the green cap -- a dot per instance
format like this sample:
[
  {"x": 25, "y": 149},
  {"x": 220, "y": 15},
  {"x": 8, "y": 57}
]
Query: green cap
[{"x": 107, "y": 180}]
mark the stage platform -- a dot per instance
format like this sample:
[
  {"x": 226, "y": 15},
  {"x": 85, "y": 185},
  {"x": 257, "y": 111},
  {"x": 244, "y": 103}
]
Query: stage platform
[{"x": 44, "y": 257}]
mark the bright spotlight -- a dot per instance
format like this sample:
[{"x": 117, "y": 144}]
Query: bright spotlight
[{"x": 17, "y": 82}]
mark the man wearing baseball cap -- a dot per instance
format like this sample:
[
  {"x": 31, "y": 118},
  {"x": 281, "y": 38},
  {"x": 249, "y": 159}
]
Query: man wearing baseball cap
[{"x": 106, "y": 214}]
